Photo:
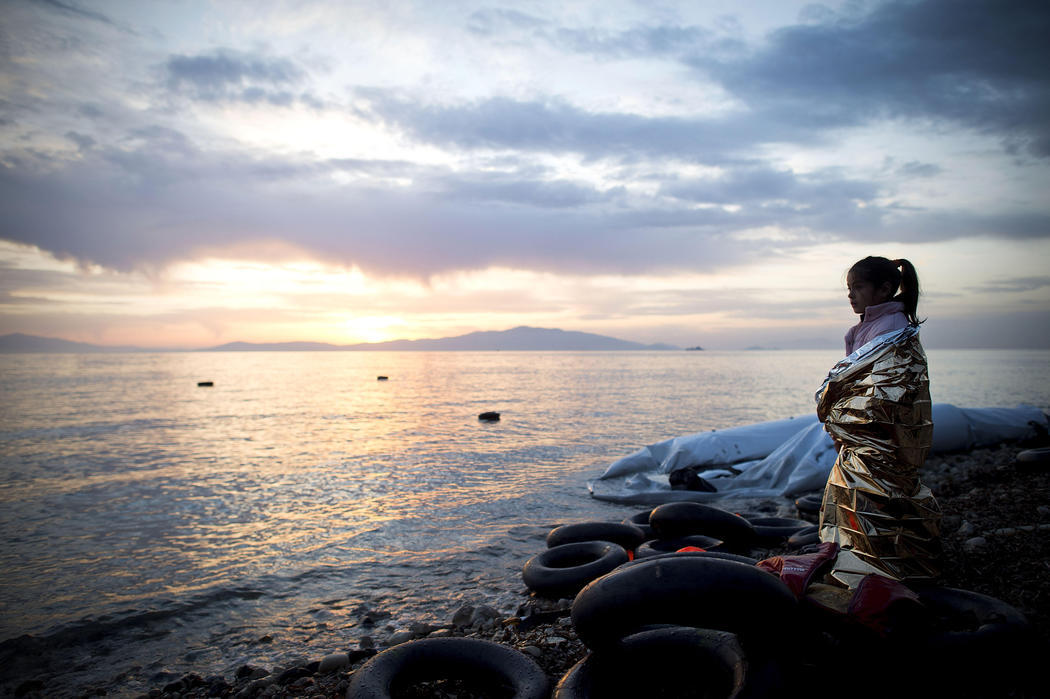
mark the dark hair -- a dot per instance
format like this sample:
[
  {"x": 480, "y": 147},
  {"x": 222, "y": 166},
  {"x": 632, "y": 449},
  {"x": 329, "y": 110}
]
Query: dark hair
[{"x": 899, "y": 274}]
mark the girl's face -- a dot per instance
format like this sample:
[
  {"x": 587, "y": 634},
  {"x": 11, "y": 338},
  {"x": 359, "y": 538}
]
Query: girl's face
[{"x": 863, "y": 293}]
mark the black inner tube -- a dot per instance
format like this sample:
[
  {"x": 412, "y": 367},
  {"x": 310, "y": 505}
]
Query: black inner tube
[
  {"x": 680, "y": 662},
  {"x": 627, "y": 535},
  {"x": 675, "y": 519},
  {"x": 564, "y": 570},
  {"x": 475, "y": 660}
]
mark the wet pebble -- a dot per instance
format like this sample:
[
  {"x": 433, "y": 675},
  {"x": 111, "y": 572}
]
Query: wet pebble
[
  {"x": 333, "y": 662},
  {"x": 463, "y": 615},
  {"x": 400, "y": 637},
  {"x": 975, "y": 544}
]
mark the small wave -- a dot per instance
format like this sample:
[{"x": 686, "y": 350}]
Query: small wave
[
  {"x": 93, "y": 429},
  {"x": 89, "y": 630}
]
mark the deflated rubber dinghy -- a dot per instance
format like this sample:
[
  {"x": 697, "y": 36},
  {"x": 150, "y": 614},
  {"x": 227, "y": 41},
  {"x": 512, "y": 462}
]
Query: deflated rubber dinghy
[{"x": 783, "y": 458}]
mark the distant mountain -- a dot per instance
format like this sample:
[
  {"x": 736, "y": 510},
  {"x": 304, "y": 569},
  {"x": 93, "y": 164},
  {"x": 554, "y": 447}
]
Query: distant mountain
[
  {"x": 516, "y": 339},
  {"x": 17, "y": 342},
  {"x": 276, "y": 347}
]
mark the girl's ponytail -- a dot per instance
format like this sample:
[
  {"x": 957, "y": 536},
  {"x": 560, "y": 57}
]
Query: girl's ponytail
[{"x": 909, "y": 293}]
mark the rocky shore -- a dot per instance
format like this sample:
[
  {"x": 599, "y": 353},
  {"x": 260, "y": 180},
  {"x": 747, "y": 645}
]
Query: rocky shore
[{"x": 996, "y": 536}]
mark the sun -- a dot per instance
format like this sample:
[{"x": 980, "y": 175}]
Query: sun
[{"x": 373, "y": 328}]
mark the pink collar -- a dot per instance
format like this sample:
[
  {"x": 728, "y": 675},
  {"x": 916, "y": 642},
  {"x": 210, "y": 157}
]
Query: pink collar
[{"x": 882, "y": 309}]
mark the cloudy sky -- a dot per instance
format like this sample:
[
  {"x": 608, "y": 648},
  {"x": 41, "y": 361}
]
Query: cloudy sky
[{"x": 182, "y": 173}]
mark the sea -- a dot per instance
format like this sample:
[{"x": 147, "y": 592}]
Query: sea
[{"x": 152, "y": 527}]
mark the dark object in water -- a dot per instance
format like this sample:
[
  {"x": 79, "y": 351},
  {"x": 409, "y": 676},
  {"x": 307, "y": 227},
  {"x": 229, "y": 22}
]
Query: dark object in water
[
  {"x": 205, "y": 383},
  {"x": 382, "y": 378},
  {"x": 489, "y": 417}
]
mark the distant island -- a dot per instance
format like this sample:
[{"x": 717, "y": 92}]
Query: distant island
[{"x": 514, "y": 340}]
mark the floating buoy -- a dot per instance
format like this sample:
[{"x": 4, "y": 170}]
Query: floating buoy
[
  {"x": 489, "y": 417},
  {"x": 382, "y": 378},
  {"x": 205, "y": 383}
]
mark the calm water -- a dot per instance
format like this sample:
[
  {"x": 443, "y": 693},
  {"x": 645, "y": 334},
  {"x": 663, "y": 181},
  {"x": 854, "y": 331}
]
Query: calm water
[{"x": 151, "y": 527}]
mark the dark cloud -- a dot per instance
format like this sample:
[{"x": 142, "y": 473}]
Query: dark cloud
[
  {"x": 82, "y": 141},
  {"x": 645, "y": 41},
  {"x": 557, "y": 127},
  {"x": 144, "y": 204},
  {"x": 141, "y": 193},
  {"x": 227, "y": 75},
  {"x": 76, "y": 11},
  {"x": 1014, "y": 286},
  {"x": 153, "y": 196},
  {"x": 917, "y": 169},
  {"x": 980, "y": 64},
  {"x": 513, "y": 189},
  {"x": 760, "y": 185}
]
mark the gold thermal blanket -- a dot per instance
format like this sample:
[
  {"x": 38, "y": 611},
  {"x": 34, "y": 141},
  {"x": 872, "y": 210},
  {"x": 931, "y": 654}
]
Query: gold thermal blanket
[{"x": 875, "y": 404}]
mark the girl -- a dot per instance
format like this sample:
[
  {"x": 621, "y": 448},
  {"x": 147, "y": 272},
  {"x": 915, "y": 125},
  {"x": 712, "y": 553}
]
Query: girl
[{"x": 875, "y": 403}]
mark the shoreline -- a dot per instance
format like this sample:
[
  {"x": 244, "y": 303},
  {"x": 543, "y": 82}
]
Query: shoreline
[{"x": 993, "y": 544}]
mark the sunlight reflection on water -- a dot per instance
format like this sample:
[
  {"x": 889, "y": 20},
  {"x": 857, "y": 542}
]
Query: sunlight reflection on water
[{"x": 299, "y": 488}]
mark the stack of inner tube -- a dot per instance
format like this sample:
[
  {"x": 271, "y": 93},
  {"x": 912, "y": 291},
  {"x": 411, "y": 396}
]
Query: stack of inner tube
[
  {"x": 680, "y": 621},
  {"x": 579, "y": 553},
  {"x": 708, "y": 620}
]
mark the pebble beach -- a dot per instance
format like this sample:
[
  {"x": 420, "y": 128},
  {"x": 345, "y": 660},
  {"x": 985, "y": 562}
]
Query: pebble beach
[{"x": 995, "y": 537}]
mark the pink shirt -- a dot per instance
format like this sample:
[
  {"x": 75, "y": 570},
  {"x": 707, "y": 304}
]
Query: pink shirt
[{"x": 876, "y": 320}]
